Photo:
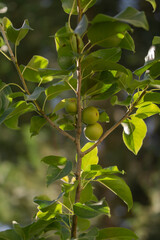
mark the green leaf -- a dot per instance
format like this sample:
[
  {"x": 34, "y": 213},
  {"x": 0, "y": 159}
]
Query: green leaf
[
  {"x": 113, "y": 89},
  {"x": 107, "y": 34},
  {"x": 147, "y": 110},
  {"x": 59, "y": 105},
  {"x": 112, "y": 54},
  {"x": 82, "y": 26},
  {"x": 55, "y": 173},
  {"x": 68, "y": 5},
  {"x": 156, "y": 40},
  {"x": 9, "y": 234},
  {"x": 54, "y": 160},
  {"x": 13, "y": 34},
  {"x": 91, "y": 235},
  {"x": 126, "y": 102},
  {"x": 153, "y": 97},
  {"x": 18, "y": 229},
  {"x": 18, "y": 109},
  {"x": 118, "y": 186},
  {"x": 91, "y": 210},
  {"x": 31, "y": 70},
  {"x": 83, "y": 224},
  {"x": 134, "y": 132},
  {"x": 145, "y": 67},
  {"x": 66, "y": 124},
  {"x": 66, "y": 58},
  {"x": 56, "y": 89},
  {"x": 91, "y": 64},
  {"x": 134, "y": 17},
  {"x": 103, "y": 117},
  {"x": 127, "y": 43},
  {"x": 154, "y": 70},
  {"x": 90, "y": 158},
  {"x": 36, "y": 93},
  {"x": 37, "y": 123},
  {"x": 86, "y": 193},
  {"x": 46, "y": 72},
  {"x": 153, "y": 3},
  {"x": 116, "y": 233}
]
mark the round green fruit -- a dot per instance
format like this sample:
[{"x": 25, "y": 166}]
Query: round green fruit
[
  {"x": 71, "y": 105},
  {"x": 93, "y": 131},
  {"x": 90, "y": 115}
]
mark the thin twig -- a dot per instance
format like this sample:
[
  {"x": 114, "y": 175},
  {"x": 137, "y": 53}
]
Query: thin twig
[
  {"x": 116, "y": 124},
  {"x": 40, "y": 111}
]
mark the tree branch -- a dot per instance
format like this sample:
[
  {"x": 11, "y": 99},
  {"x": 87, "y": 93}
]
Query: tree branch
[
  {"x": 78, "y": 129},
  {"x": 13, "y": 58},
  {"x": 116, "y": 124}
]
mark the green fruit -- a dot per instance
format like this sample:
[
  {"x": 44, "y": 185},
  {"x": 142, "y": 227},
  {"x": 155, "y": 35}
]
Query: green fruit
[
  {"x": 93, "y": 131},
  {"x": 71, "y": 105},
  {"x": 90, "y": 115}
]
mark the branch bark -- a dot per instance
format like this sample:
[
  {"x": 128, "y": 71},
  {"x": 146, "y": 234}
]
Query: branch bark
[{"x": 78, "y": 130}]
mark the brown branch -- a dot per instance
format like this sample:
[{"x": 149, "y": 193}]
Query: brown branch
[
  {"x": 78, "y": 129},
  {"x": 116, "y": 124},
  {"x": 26, "y": 88}
]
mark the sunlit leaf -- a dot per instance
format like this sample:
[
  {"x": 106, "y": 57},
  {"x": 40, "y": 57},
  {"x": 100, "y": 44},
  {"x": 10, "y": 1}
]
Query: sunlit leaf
[
  {"x": 133, "y": 134},
  {"x": 90, "y": 158}
]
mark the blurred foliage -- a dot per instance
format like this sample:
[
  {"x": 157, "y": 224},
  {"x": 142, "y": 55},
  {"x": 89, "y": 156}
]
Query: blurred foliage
[{"x": 22, "y": 175}]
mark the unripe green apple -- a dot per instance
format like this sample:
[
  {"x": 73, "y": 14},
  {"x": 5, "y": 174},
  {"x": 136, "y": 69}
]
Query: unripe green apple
[
  {"x": 71, "y": 105},
  {"x": 93, "y": 131},
  {"x": 90, "y": 115}
]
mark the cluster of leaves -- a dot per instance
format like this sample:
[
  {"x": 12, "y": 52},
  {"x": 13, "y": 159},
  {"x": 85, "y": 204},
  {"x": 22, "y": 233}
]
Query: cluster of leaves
[{"x": 102, "y": 78}]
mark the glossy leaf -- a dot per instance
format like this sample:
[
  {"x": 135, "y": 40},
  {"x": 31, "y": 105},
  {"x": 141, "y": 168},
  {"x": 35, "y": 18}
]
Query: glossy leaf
[
  {"x": 133, "y": 134},
  {"x": 82, "y": 26},
  {"x": 68, "y": 5},
  {"x": 90, "y": 158},
  {"x": 118, "y": 186},
  {"x": 144, "y": 68},
  {"x": 116, "y": 233},
  {"x": 13, "y": 34},
  {"x": 91, "y": 210}
]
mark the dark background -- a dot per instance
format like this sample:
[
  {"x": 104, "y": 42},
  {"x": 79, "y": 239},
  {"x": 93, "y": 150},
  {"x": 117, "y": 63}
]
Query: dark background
[{"x": 22, "y": 175}]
